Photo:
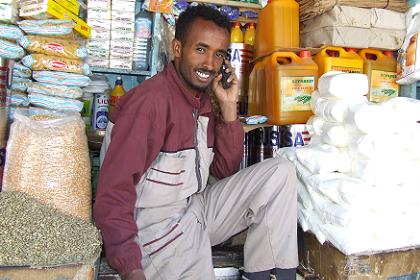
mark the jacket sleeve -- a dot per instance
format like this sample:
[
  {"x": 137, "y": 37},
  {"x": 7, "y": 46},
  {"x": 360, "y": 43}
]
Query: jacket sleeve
[
  {"x": 134, "y": 145},
  {"x": 228, "y": 148}
]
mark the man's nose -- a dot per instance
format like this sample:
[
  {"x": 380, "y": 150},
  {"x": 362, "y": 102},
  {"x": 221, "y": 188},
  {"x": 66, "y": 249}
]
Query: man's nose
[{"x": 210, "y": 62}]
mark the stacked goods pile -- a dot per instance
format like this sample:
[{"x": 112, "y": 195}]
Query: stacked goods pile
[
  {"x": 37, "y": 242},
  {"x": 311, "y": 8},
  {"x": 122, "y": 34},
  {"x": 99, "y": 18},
  {"x": 358, "y": 177},
  {"x": 48, "y": 158},
  {"x": 56, "y": 59},
  {"x": 354, "y": 27}
]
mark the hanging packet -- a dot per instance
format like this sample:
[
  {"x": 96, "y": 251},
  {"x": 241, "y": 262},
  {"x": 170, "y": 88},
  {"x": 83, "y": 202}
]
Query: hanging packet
[
  {"x": 10, "y": 32},
  {"x": 54, "y": 63},
  {"x": 10, "y": 50},
  {"x": 55, "y": 103},
  {"x": 61, "y": 78},
  {"x": 53, "y": 46},
  {"x": 54, "y": 90},
  {"x": 47, "y": 27}
]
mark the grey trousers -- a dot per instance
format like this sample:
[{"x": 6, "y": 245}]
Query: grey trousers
[{"x": 176, "y": 240}]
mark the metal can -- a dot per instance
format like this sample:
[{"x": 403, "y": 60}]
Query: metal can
[
  {"x": 264, "y": 142},
  {"x": 100, "y": 112}
]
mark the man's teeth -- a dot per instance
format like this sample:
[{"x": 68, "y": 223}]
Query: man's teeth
[{"x": 203, "y": 75}]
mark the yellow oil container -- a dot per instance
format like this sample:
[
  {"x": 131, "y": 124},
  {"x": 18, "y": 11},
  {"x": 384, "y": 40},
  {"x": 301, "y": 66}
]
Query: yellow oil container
[
  {"x": 257, "y": 98},
  {"x": 278, "y": 27},
  {"x": 333, "y": 58},
  {"x": 289, "y": 86},
  {"x": 381, "y": 69}
]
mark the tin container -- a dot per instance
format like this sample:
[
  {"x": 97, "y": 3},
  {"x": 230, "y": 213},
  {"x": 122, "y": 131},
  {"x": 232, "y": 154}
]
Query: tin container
[
  {"x": 240, "y": 56},
  {"x": 100, "y": 112},
  {"x": 264, "y": 142}
]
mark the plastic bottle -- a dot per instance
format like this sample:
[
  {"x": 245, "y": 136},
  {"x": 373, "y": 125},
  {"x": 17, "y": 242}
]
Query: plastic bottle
[
  {"x": 142, "y": 38},
  {"x": 236, "y": 35},
  {"x": 116, "y": 93},
  {"x": 290, "y": 81},
  {"x": 278, "y": 27},
  {"x": 380, "y": 67},
  {"x": 249, "y": 37},
  {"x": 333, "y": 58}
]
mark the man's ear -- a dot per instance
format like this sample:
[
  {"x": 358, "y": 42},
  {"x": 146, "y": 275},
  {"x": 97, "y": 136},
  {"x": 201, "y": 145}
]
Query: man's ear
[{"x": 176, "y": 48}]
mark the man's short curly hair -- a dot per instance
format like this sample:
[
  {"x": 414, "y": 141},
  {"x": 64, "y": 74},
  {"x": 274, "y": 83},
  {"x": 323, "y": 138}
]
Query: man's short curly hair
[{"x": 200, "y": 11}]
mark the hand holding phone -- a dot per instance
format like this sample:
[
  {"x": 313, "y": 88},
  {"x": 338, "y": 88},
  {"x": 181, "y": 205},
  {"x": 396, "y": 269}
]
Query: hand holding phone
[{"x": 225, "y": 76}]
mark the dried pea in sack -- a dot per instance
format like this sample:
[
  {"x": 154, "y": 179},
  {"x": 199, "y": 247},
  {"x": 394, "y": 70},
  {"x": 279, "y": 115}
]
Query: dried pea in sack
[
  {"x": 55, "y": 63},
  {"x": 48, "y": 158},
  {"x": 47, "y": 27},
  {"x": 53, "y": 46}
]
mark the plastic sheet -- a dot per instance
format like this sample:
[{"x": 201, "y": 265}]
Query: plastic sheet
[{"x": 48, "y": 158}]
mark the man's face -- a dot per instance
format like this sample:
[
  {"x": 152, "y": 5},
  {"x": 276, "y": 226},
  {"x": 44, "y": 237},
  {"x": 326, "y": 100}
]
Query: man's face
[{"x": 199, "y": 58}]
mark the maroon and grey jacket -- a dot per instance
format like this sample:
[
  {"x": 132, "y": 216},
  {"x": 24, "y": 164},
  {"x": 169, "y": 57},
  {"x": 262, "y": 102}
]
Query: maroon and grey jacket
[{"x": 163, "y": 144}]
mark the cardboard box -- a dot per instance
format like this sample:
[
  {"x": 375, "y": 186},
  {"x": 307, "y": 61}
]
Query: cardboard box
[
  {"x": 95, "y": 13},
  {"x": 53, "y": 10},
  {"x": 123, "y": 5},
  {"x": 99, "y": 4},
  {"x": 71, "y": 5},
  {"x": 329, "y": 263}
]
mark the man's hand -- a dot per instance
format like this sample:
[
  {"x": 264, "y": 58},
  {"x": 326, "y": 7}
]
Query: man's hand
[
  {"x": 136, "y": 274},
  {"x": 227, "y": 98}
]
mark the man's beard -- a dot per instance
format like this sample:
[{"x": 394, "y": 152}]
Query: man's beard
[{"x": 190, "y": 84}]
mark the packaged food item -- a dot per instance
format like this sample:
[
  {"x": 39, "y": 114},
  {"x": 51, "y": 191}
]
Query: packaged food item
[
  {"x": 45, "y": 62},
  {"x": 55, "y": 103},
  {"x": 21, "y": 71},
  {"x": 61, "y": 78},
  {"x": 10, "y": 50},
  {"x": 20, "y": 84},
  {"x": 10, "y": 32},
  {"x": 9, "y": 11},
  {"x": 54, "y": 90},
  {"x": 19, "y": 99},
  {"x": 53, "y": 46},
  {"x": 47, "y": 27}
]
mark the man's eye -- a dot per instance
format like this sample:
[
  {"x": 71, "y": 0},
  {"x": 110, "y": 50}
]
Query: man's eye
[
  {"x": 200, "y": 50},
  {"x": 221, "y": 55}
]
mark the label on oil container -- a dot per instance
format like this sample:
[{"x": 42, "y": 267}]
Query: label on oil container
[
  {"x": 296, "y": 93},
  {"x": 383, "y": 85},
  {"x": 346, "y": 69}
]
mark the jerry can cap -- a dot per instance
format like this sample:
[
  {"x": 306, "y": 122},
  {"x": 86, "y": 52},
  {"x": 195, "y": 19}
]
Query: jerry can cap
[{"x": 305, "y": 54}]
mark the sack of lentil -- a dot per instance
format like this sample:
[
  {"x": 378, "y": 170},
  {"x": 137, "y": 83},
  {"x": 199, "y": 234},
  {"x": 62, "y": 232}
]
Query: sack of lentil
[{"x": 48, "y": 158}]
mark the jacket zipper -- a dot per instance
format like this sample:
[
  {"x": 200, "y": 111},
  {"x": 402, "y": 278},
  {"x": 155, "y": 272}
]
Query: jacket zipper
[{"x": 197, "y": 152}]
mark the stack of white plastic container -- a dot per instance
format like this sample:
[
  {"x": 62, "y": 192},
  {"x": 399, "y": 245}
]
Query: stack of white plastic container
[
  {"x": 99, "y": 19},
  {"x": 122, "y": 34},
  {"x": 358, "y": 182}
]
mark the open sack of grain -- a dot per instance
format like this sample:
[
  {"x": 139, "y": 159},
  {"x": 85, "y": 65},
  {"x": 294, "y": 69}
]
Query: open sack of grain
[
  {"x": 38, "y": 242},
  {"x": 48, "y": 158}
]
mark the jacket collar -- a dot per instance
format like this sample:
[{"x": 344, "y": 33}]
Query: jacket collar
[{"x": 201, "y": 103}]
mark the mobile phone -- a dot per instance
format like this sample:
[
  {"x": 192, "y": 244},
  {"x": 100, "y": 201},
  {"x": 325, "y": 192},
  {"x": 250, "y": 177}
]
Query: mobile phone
[{"x": 225, "y": 76}]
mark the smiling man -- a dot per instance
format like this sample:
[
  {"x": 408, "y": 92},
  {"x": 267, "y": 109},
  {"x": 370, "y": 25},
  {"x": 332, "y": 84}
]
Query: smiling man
[{"x": 157, "y": 213}]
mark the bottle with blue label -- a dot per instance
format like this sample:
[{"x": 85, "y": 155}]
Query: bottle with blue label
[
  {"x": 142, "y": 38},
  {"x": 100, "y": 89}
]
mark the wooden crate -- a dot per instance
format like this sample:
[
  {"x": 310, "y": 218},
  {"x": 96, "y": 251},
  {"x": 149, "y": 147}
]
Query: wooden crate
[{"x": 329, "y": 263}]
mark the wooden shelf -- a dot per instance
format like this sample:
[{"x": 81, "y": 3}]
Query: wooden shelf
[
  {"x": 230, "y": 3},
  {"x": 120, "y": 71}
]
